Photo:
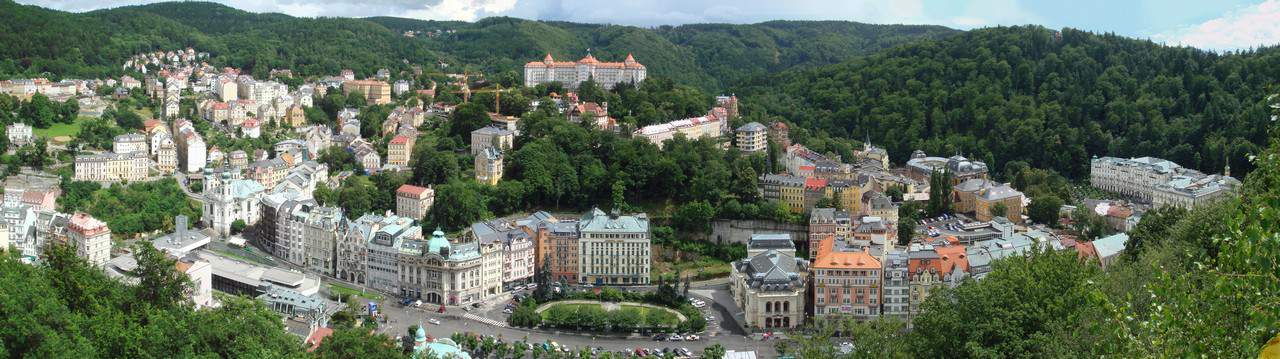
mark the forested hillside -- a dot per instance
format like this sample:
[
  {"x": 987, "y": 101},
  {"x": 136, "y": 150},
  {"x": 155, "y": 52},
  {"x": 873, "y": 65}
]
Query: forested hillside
[
  {"x": 36, "y": 40},
  {"x": 1050, "y": 98},
  {"x": 711, "y": 56}
]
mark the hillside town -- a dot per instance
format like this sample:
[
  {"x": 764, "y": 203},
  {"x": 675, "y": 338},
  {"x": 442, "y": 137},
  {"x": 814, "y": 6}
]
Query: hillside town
[{"x": 270, "y": 222}]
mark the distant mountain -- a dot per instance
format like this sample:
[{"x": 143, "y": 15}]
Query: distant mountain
[
  {"x": 711, "y": 56},
  {"x": 1050, "y": 98}
]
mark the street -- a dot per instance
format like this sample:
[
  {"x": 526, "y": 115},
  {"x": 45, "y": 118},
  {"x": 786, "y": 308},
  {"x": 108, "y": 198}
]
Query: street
[{"x": 724, "y": 332}]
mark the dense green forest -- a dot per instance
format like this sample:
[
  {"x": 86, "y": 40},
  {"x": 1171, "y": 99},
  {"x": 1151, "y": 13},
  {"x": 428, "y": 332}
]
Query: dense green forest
[
  {"x": 35, "y": 40},
  {"x": 1050, "y": 98},
  {"x": 710, "y": 56}
]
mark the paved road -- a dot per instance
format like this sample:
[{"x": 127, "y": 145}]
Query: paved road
[{"x": 401, "y": 318}]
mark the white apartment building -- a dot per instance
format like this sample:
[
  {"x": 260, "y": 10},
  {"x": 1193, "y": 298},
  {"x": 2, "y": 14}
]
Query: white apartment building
[
  {"x": 1160, "y": 182},
  {"x": 90, "y": 237},
  {"x": 111, "y": 167},
  {"x": 413, "y": 201},
  {"x": 752, "y": 137},
  {"x": 713, "y": 124},
  {"x": 129, "y": 143},
  {"x": 1134, "y": 177},
  {"x": 613, "y": 249},
  {"x": 1189, "y": 192},
  {"x": 167, "y": 156},
  {"x": 20, "y": 134}
]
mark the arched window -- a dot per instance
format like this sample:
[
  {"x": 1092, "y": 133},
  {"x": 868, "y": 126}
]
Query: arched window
[
  {"x": 768, "y": 307},
  {"x": 786, "y": 306}
]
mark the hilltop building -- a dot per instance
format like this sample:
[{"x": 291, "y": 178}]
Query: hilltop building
[{"x": 572, "y": 74}]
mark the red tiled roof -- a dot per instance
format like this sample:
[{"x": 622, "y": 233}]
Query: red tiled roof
[
  {"x": 399, "y": 140},
  {"x": 313, "y": 341},
  {"x": 411, "y": 190},
  {"x": 813, "y": 182},
  {"x": 828, "y": 258},
  {"x": 949, "y": 258},
  {"x": 1086, "y": 250}
]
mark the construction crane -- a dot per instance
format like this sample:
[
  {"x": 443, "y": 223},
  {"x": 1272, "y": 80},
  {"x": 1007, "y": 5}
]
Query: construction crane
[{"x": 496, "y": 91}]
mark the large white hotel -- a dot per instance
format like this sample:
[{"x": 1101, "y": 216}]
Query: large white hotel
[
  {"x": 607, "y": 74},
  {"x": 1160, "y": 182}
]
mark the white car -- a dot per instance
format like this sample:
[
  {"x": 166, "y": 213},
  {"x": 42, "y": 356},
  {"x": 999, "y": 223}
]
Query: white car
[
  {"x": 531, "y": 286},
  {"x": 433, "y": 321}
]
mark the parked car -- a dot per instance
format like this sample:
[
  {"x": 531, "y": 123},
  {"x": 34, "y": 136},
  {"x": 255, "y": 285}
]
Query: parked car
[
  {"x": 433, "y": 321},
  {"x": 531, "y": 286},
  {"x": 659, "y": 337},
  {"x": 507, "y": 311},
  {"x": 675, "y": 338}
]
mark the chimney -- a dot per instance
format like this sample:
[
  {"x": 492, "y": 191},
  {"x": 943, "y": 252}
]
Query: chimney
[{"x": 180, "y": 227}]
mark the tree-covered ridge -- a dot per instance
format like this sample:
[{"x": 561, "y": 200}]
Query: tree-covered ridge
[
  {"x": 711, "y": 56},
  {"x": 1050, "y": 98},
  {"x": 41, "y": 42}
]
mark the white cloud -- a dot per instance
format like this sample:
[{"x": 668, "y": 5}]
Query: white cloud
[
  {"x": 1250, "y": 26},
  {"x": 465, "y": 10},
  {"x": 980, "y": 13}
]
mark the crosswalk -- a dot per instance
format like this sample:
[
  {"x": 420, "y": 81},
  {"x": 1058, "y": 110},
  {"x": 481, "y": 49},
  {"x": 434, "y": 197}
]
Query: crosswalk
[{"x": 484, "y": 320}]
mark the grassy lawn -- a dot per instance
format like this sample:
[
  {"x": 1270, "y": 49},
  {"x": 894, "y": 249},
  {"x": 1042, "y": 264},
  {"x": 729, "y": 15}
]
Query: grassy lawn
[
  {"x": 341, "y": 289},
  {"x": 702, "y": 269},
  {"x": 571, "y": 306},
  {"x": 61, "y": 129}
]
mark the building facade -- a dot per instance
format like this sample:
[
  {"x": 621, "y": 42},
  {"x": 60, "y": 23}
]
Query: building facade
[
  {"x": 230, "y": 201},
  {"x": 399, "y": 150},
  {"x": 753, "y": 137},
  {"x": 129, "y": 143},
  {"x": 413, "y": 201},
  {"x": 769, "y": 288},
  {"x": 571, "y": 74},
  {"x": 846, "y": 282},
  {"x": 491, "y": 137},
  {"x": 896, "y": 285},
  {"x": 488, "y": 166},
  {"x": 557, "y": 251},
  {"x": 375, "y": 92},
  {"x": 90, "y": 237},
  {"x": 112, "y": 167},
  {"x": 961, "y": 169},
  {"x": 613, "y": 249}
]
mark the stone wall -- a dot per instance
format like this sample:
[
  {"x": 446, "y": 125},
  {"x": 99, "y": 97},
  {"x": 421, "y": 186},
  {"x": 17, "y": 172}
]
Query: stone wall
[{"x": 739, "y": 231}]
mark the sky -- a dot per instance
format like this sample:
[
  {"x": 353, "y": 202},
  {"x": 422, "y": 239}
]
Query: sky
[{"x": 1207, "y": 24}]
